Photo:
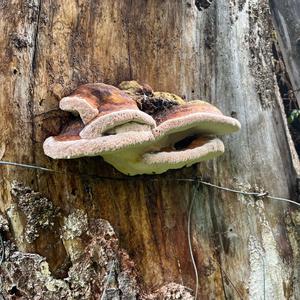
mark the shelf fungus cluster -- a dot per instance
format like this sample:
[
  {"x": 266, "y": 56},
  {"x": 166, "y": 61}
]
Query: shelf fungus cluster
[{"x": 139, "y": 131}]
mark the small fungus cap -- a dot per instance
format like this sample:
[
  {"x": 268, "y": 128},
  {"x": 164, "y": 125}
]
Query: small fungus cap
[{"x": 101, "y": 124}]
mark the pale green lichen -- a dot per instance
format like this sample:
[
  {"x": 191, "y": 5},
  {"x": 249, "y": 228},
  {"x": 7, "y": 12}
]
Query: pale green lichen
[
  {"x": 131, "y": 86},
  {"x": 168, "y": 97}
]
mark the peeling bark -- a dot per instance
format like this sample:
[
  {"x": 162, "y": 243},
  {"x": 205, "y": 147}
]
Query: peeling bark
[{"x": 99, "y": 270}]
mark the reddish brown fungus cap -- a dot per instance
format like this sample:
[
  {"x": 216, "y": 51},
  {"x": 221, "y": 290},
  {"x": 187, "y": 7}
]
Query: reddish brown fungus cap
[
  {"x": 92, "y": 100},
  {"x": 196, "y": 116},
  {"x": 102, "y": 107}
]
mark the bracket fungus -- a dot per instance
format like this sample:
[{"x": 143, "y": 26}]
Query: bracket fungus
[{"x": 139, "y": 131}]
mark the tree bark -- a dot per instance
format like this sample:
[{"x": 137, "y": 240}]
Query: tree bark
[{"x": 244, "y": 247}]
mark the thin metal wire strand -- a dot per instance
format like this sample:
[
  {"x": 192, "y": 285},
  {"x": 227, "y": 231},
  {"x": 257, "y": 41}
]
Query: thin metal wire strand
[
  {"x": 39, "y": 168},
  {"x": 9, "y": 163},
  {"x": 192, "y": 254},
  {"x": 265, "y": 194},
  {"x": 107, "y": 281},
  {"x": 2, "y": 250},
  {"x": 283, "y": 199},
  {"x": 190, "y": 242}
]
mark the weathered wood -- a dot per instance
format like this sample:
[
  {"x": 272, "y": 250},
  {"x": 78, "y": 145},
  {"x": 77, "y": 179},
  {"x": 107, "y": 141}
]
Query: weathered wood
[
  {"x": 243, "y": 248},
  {"x": 286, "y": 16}
]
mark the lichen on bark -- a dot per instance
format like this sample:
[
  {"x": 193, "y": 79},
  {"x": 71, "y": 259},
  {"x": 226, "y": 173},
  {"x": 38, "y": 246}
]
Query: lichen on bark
[
  {"x": 102, "y": 264},
  {"x": 75, "y": 225},
  {"x": 39, "y": 211},
  {"x": 100, "y": 270}
]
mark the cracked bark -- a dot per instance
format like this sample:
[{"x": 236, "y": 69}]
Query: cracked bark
[{"x": 223, "y": 54}]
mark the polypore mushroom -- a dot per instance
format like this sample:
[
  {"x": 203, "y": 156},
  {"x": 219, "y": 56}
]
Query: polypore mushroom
[
  {"x": 189, "y": 131},
  {"x": 114, "y": 127},
  {"x": 149, "y": 160},
  {"x": 69, "y": 144},
  {"x": 200, "y": 149},
  {"x": 184, "y": 136},
  {"x": 195, "y": 117},
  {"x": 102, "y": 107},
  {"x": 127, "y": 137}
]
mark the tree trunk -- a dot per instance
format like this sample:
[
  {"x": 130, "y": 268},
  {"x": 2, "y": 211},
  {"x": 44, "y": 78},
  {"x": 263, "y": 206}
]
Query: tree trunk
[
  {"x": 287, "y": 22},
  {"x": 244, "y": 247}
]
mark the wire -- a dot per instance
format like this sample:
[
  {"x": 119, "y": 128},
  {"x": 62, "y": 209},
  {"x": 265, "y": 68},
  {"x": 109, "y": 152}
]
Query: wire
[
  {"x": 284, "y": 199},
  {"x": 196, "y": 179},
  {"x": 9, "y": 163},
  {"x": 259, "y": 195},
  {"x": 107, "y": 281},
  {"x": 29, "y": 166},
  {"x": 190, "y": 244},
  {"x": 232, "y": 190},
  {"x": 2, "y": 250}
]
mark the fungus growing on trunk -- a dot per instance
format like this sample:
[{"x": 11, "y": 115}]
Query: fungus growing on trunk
[
  {"x": 139, "y": 131},
  {"x": 110, "y": 120},
  {"x": 102, "y": 107},
  {"x": 69, "y": 144},
  {"x": 189, "y": 132},
  {"x": 195, "y": 116}
]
